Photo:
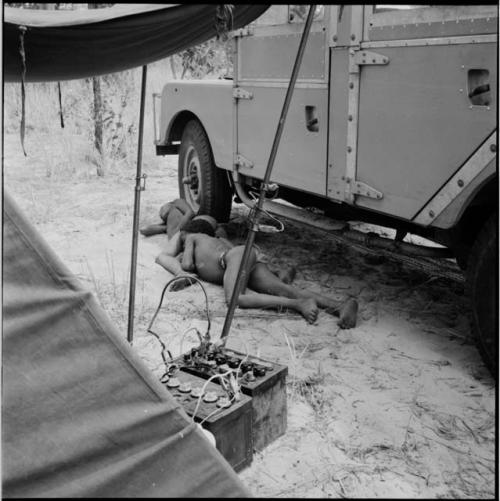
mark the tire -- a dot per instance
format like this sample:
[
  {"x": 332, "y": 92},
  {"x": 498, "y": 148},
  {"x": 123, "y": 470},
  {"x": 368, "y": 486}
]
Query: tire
[
  {"x": 202, "y": 184},
  {"x": 481, "y": 281}
]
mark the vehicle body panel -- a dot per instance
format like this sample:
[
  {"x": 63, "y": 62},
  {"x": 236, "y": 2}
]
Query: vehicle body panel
[
  {"x": 211, "y": 102},
  {"x": 417, "y": 125},
  {"x": 400, "y": 128},
  {"x": 337, "y": 139},
  {"x": 264, "y": 63},
  {"x": 301, "y": 158},
  {"x": 270, "y": 56}
]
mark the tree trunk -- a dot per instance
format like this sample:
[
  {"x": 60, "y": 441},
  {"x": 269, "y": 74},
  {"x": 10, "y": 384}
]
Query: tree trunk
[
  {"x": 172, "y": 67},
  {"x": 98, "y": 125},
  {"x": 98, "y": 113}
]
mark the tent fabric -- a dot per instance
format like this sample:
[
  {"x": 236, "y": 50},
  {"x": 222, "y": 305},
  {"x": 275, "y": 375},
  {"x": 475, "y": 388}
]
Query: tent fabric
[
  {"x": 62, "y": 45},
  {"x": 81, "y": 415}
]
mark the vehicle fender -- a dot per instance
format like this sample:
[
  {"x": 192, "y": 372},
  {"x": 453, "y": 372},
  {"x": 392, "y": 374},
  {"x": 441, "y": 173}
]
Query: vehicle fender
[
  {"x": 453, "y": 212},
  {"x": 446, "y": 207},
  {"x": 211, "y": 103}
]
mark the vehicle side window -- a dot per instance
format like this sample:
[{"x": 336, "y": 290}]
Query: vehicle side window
[
  {"x": 386, "y": 8},
  {"x": 298, "y": 13},
  {"x": 399, "y": 22}
]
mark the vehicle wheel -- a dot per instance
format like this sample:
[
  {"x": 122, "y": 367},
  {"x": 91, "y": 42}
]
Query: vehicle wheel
[
  {"x": 481, "y": 279},
  {"x": 204, "y": 186}
]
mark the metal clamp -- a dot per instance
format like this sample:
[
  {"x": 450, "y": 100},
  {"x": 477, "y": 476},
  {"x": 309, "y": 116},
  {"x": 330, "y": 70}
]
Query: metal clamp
[
  {"x": 243, "y": 162},
  {"x": 239, "y": 93},
  {"x": 141, "y": 183}
]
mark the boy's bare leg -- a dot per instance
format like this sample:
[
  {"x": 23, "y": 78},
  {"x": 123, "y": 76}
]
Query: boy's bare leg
[
  {"x": 170, "y": 227},
  {"x": 173, "y": 221},
  {"x": 154, "y": 229},
  {"x": 306, "y": 306},
  {"x": 286, "y": 274},
  {"x": 263, "y": 281}
]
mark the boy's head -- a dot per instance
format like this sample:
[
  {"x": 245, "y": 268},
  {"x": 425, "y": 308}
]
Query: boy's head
[{"x": 200, "y": 224}]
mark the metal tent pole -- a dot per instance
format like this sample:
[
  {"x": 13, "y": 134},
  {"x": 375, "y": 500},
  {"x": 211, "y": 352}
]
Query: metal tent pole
[
  {"x": 137, "y": 202},
  {"x": 243, "y": 271}
]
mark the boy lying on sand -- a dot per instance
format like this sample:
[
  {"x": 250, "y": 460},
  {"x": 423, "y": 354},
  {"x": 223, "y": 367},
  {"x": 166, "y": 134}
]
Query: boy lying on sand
[{"x": 195, "y": 249}]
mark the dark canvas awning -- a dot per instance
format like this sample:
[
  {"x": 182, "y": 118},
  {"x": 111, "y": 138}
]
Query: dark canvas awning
[{"x": 64, "y": 45}]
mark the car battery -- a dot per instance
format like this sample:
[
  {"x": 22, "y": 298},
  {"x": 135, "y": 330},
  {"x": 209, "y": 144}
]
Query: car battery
[
  {"x": 260, "y": 379},
  {"x": 231, "y": 426}
]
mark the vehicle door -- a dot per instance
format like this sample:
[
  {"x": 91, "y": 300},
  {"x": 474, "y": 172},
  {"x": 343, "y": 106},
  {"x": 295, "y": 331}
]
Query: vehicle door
[
  {"x": 420, "y": 100},
  {"x": 266, "y": 53}
]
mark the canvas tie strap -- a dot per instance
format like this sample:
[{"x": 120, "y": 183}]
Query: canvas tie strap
[
  {"x": 22, "y": 30},
  {"x": 223, "y": 20},
  {"x": 60, "y": 104}
]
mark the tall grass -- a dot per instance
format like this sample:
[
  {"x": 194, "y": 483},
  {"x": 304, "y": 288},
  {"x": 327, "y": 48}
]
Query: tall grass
[
  {"x": 121, "y": 96},
  {"x": 120, "y": 101}
]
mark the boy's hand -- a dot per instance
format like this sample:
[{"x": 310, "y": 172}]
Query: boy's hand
[{"x": 182, "y": 283}]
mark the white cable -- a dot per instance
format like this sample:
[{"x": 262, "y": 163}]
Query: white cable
[{"x": 203, "y": 389}]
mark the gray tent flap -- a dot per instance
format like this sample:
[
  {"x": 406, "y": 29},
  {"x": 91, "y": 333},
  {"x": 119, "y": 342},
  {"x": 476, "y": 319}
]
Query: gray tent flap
[
  {"x": 81, "y": 414},
  {"x": 63, "y": 47}
]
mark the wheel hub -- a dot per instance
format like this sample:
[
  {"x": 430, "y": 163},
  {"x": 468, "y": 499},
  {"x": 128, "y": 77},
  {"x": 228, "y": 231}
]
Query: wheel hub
[{"x": 192, "y": 178}]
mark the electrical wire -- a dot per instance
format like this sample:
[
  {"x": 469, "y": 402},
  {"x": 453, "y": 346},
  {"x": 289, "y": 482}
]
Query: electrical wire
[
  {"x": 184, "y": 335},
  {"x": 164, "y": 348},
  {"x": 233, "y": 398},
  {"x": 179, "y": 277},
  {"x": 215, "y": 412},
  {"x": 222, "y": 375},
  {"x": 247, "y": 354},
  {"x": 255, "y": 209}
]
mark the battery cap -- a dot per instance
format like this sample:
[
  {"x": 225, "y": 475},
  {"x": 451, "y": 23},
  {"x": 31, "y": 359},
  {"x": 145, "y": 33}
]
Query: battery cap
[
  {"x": 210, "y": 397},
  {"x": 185, "y": 388},
  {"x": 196, "y": 392},
  {"x": 173, "y": 382},
  {"x": 223, "y": 402}
]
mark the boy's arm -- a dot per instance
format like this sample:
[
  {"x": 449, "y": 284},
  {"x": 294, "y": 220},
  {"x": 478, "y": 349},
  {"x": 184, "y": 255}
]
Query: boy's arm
[
  {"x": 188, "y": 256},
  {"x": 170, "y": 263},
  {"x": 174, "y": 246}
]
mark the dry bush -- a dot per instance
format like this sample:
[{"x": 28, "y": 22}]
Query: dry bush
[{"x": 120, "y": 112}]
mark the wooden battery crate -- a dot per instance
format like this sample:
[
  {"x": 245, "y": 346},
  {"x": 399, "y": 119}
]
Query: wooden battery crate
[
  {"x": 268, "y": 392},
  {"x": 231, "y": 426}
]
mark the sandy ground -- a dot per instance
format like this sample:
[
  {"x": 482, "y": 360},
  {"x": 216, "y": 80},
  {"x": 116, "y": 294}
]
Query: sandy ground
[{"x": 399, "y": 406}]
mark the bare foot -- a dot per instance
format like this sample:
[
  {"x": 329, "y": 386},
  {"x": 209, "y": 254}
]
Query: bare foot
[
  {"x": 348, "y": 314},
  {"x": 182, "y": 283},
  {"x": 309, "y": 309},
  {"x": 287, "y": 275}
]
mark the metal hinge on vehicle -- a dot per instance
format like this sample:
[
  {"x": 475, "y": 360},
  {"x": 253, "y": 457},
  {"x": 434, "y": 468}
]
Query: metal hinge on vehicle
[
  {"x": 365, "y": 57},
  {"x": 240, "y": 93},
  {"x": 243, "y": 32},
  {"x": 361, "y": 189},
  {"x": 243, "y": 162}
]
